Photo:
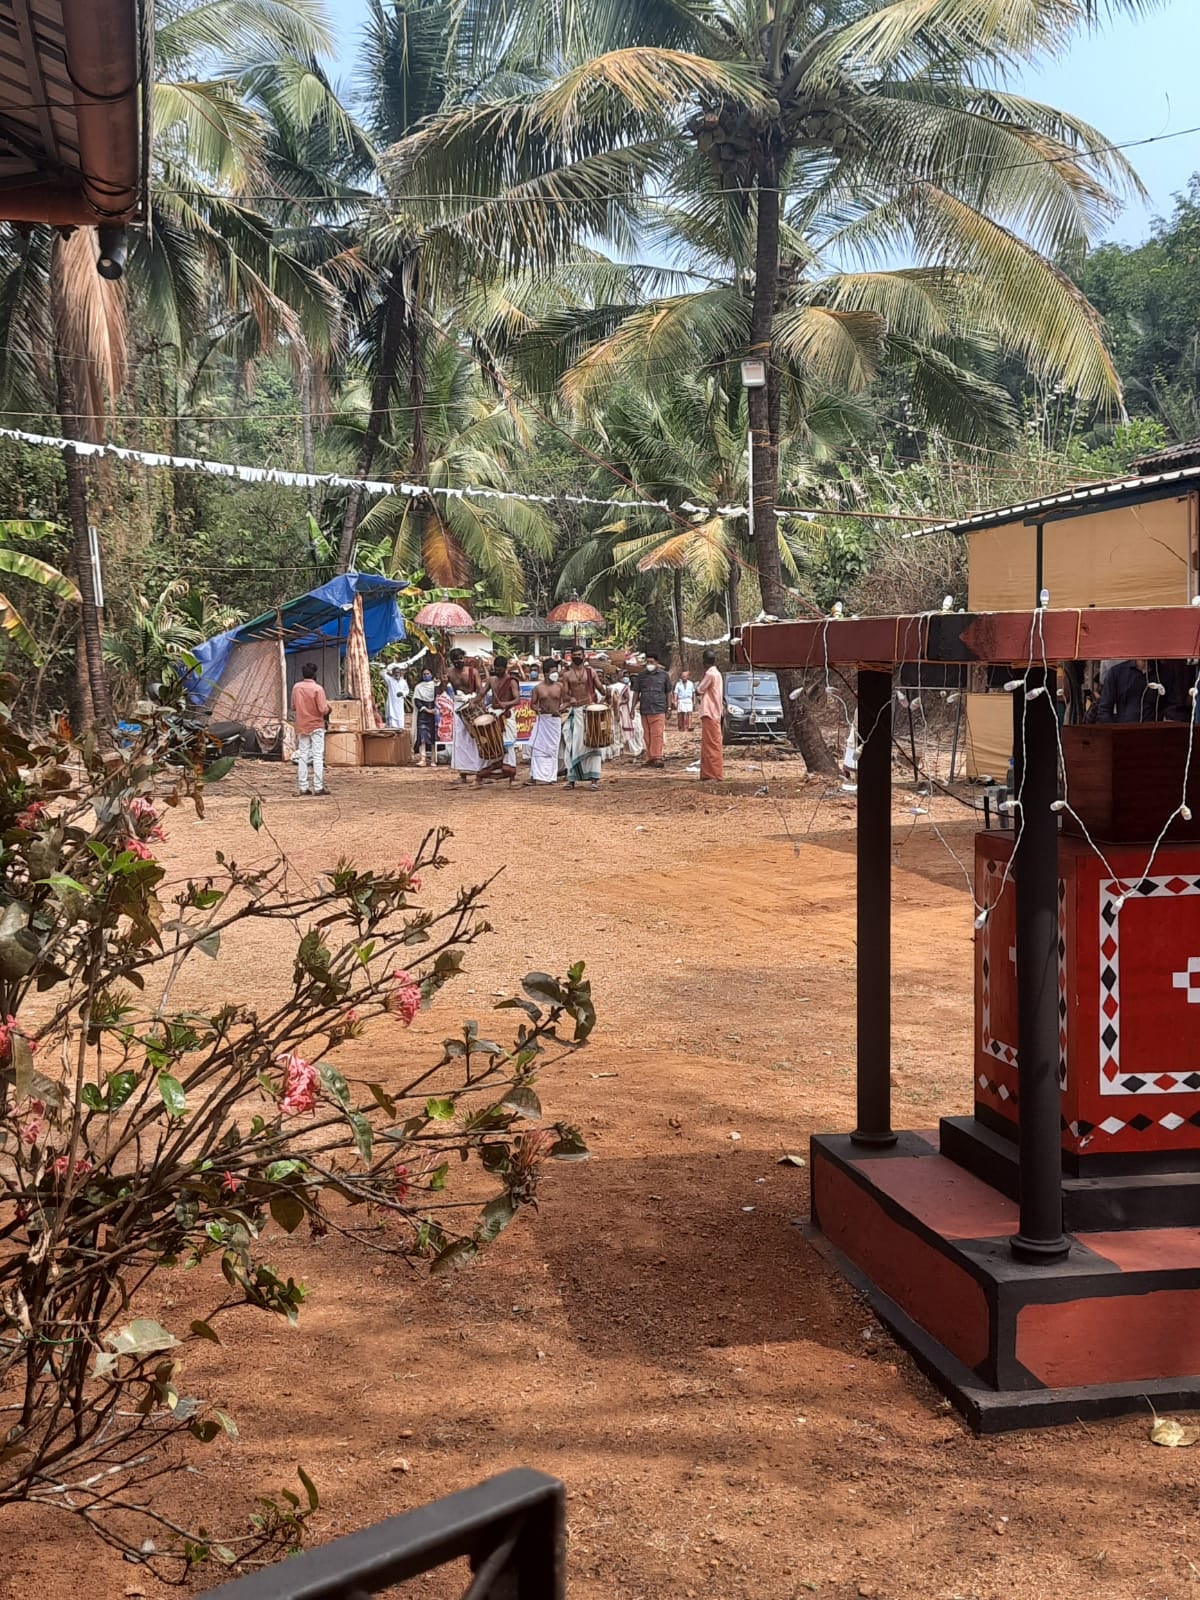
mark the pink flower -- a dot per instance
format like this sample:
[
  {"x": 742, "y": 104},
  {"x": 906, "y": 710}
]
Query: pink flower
[
  {"x": 401, "y": 1177},
  {"x": 146, "y": 819},
  {"x": 230, "y": 1183},
  {"x": 300, "y": 1082},
  {"x": 138, "y": 849},
  {"x": 405, "y": 868},
  {"x": 405, "y": 998},
  {"x": 83, "y": 1166},
  {"x": 29, "y": 1132},
  {"x": 32, "y": 815},
  {"x": 61, "y": 1166}
]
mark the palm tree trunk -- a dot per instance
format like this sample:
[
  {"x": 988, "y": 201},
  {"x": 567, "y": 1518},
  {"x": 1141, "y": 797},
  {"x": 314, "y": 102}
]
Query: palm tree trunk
[
  {"x": 394, "y": 319},
  {"x": 93, "y": 693},
  {"x": 733, "y": 604},
  {"x": 419, "y": 464},
  {"x": 764, "y": 409},
  {"x": 677, "y": 597},
  {"x": 307, "y": 447}
]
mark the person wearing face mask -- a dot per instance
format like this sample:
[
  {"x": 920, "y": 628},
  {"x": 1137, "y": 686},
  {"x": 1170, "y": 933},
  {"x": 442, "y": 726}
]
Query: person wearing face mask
[
  {"x": 425, "y": 702},
  {"x": 544, "y": 743},
  {"x": 581, "y": 689},
  {"x": 652, "y": 700}
]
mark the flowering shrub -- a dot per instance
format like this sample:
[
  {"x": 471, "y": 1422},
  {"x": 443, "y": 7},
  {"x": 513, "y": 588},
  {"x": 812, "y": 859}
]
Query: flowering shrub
[{"x": 139, "y": 1136}]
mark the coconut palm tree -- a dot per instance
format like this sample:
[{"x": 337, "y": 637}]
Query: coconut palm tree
[
  {"x": 210, "y": 267},
  {"x": 19, "y": 564},
  {"x": 776, "y": 142},
  {"x": 470, "y": 438}
]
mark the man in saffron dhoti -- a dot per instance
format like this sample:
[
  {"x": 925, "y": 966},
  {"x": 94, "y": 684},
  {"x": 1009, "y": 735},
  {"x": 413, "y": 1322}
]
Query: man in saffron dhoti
[
  {"x": 712, "y": 705},
  {"x": 546, "y": 739},
  {"x": 582, "y": 688},
  {"x": 464, "y": 684}
]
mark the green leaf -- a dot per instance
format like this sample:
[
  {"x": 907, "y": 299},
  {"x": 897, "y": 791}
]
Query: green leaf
[
  {"x": 256, "y": 816},
  {"x": 288, "y": 1210},
  {"x": 92, "y": 1098},
  {"x": 310, "y": 1489},
  {"x": 142, "y": 1337},
  {"x": 521, "y": 1099},
  {"x": 219, "y": 769},
  {"x": 202, "y": 1330},
  {"x": 60, "y": 881},
  {"x": 334, "y": 1083},
  {"x": 382, "y": 1099},
  {"x": 22, "y": 1064},
  {"x": 494, "y": 1218},
  {"x": 437, "y": 1178},
  {"x": 439, "y": 1110},
  {"x": 120, "y": 1086},
  {"x": 172, "y": 1094},
  {"x": 210, "y": 944},
  {"x": 569, "y": 1147},
  {"x": 541, "y": 986},
  {"x": 363, "y": 1136},
  {"x": 281, "y": 1171},
  {"x": 227, "y": 1423},
  {"x": 454, "y": 1256},
  {"x": 205, "y": 1431}
]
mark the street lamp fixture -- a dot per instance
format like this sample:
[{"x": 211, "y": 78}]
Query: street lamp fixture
[{"x": 754, "y": 373}]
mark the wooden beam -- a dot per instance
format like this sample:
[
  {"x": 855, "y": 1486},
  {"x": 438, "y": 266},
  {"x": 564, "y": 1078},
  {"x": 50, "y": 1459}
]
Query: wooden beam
[
  {"x": 32, "y": 61},
  {"x": 1169, "y": 633}
]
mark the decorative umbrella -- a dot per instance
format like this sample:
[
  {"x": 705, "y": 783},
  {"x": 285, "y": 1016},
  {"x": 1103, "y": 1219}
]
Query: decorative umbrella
[
  {"x": 444, "y": 614},
  {"x": 573, "y": 615}
]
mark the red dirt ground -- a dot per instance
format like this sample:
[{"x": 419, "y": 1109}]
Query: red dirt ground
[{"x": 659, "y": 1335}]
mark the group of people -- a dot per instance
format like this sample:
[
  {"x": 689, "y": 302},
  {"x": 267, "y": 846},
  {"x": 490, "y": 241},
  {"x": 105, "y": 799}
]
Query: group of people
[{"x": 581, "y": 718}]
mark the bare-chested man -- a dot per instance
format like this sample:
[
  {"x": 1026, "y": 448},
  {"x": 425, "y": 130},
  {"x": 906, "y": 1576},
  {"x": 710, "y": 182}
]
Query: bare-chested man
[
  {"x": 582, "y": 688},
  {"x": 504, "y": 688},
  {"x": 464, "y": 686},
  {"x": 547, "y": 700}
]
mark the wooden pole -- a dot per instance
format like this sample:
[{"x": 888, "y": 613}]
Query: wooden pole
[
  {"x": 874, "y": 892},
  {"x": 1035, "y": 761}
]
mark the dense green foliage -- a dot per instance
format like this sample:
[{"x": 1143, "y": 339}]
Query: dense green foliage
[{"x": 527, "y": 252}]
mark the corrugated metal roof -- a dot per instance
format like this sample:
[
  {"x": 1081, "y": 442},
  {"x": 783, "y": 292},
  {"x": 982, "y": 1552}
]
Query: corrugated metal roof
[
  {"x": 1184, "y": 454},
  {"x": 1092, "y": 493},
  {"x": 70, "y": 135}
]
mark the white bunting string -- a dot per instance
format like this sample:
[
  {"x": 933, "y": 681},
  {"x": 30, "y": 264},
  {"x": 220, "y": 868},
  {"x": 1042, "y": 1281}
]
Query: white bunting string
[{"x": 381, "y": 486}]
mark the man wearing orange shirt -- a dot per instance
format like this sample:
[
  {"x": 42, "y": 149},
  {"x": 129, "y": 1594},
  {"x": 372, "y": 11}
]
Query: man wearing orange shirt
[
  {"x": 310, "y": 713},
  {"x": 712, "y": 704}
]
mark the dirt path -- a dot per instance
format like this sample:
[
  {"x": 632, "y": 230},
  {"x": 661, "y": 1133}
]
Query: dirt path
[{"x": 660, "y": 1335}]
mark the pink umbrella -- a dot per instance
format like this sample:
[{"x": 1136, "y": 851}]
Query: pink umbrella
[
  {"x": 574, "y": 613},
  {"x": 444, "y": 614}
]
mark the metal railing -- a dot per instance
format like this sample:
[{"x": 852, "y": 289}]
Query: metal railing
[{"x": 512, "y": 1529}]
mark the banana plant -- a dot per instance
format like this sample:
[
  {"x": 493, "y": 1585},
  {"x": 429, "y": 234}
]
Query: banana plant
[{"x": 22, "y": 565}]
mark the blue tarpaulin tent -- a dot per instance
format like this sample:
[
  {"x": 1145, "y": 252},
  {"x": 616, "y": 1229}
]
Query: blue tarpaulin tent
[{"x": 243, "y": 674}]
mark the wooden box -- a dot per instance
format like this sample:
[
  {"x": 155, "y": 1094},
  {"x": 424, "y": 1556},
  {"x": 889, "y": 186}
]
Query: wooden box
[
  {"x": 1125, "y": 780},
  {"x": 345, "y": 714},
  {"x": 343, "y": 749},
  {"x": 1128, "y": 984},
  {"x": 387, "y": 747}
]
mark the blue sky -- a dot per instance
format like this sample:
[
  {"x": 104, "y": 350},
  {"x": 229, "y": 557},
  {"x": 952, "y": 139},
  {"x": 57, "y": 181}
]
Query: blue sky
[{"x": 1133, "y": 79}]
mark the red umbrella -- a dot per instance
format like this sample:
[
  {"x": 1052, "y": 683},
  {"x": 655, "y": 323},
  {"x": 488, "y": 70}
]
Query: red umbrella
[
  {"x": 444, "y": 614},
  {"x": 574, "y": 613}
]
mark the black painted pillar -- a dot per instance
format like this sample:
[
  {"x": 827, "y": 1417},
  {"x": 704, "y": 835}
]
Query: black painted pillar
[
  {"x": 1035, "y": 760},
  {"x": 874, "y": 909}
]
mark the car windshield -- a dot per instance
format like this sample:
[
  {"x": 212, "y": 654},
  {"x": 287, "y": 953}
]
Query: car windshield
[{"x": 765, "y": 683}]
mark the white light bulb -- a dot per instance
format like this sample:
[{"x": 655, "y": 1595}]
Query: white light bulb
[
  {"x": 1013, "y": 685},
  {"x": 1043, "y": 599},
  {"x": 1058, "y": 805},
  {"x": 981, "y": 919},
  {"x": 1118, "y": 902},
  {"x": 1186, "y": 813},
  {"x": 1158, "y": 688},
  {"x": 1033, "y": 693}
]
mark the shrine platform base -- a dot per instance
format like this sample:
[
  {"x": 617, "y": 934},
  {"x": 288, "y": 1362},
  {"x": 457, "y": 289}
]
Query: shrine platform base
[{"x": 1113, "y": 1326}]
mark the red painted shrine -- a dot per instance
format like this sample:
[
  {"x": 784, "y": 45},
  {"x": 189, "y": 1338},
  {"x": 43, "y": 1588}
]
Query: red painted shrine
[{"x": 1041, "y": 1258}]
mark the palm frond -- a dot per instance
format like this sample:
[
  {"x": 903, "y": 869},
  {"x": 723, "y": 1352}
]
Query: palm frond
[{"x": 842, "y": 349}]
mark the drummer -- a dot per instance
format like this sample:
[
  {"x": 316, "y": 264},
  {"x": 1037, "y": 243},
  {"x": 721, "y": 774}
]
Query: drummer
[
  {"x": 504, "y": 690},
  {"x": 464, "y": 685},
  {"x": 581, "y": 688}
]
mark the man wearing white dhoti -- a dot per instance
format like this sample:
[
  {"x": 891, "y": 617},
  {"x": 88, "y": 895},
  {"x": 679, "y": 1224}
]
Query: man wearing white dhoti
[
  {"x": 582, "y": 689},
  {"x": 546, "y": 740},
  {"x": 396, "y": 684},
  {"x": 464, "y": 683}
]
